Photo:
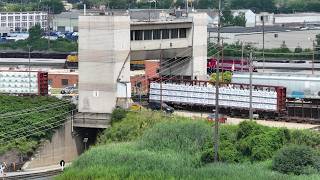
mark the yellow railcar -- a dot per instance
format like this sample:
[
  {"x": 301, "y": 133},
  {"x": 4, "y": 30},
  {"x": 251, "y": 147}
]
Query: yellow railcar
[{"x": 72, "y": 61}]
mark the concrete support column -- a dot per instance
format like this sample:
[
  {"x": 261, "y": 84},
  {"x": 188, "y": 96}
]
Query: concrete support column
[
  {"x": 199, "y": 51},
  {"x": 104, "y": 45}
]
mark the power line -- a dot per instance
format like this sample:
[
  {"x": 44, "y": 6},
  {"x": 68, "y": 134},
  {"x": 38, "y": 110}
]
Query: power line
[
  {"x": 163, "y": 70},
  {"x": 32, "y": 109},
  {"x": 20, "y": 137},
  {"x": 20, "y": 129},
  {"x": 35, "y": 111}
]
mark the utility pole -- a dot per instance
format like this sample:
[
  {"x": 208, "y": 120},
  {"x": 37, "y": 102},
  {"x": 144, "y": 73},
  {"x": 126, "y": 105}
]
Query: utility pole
[
  {"x": 242, "y": 50},
  {"x": 48, "y": 30},
  {"x": 186, "y": 7},
  {"x": 149, "y": 10},
  {"x": 140, "y": 98},
  {"x": 222, "y": 60},
  {"x": 160, "y": 81},
  {"x": 250, "y": 86},
  {"x": 29, "y": 68},
  {"x": 216, "y": 124},
  {"x": 313, "y": 54},
  {"x": 262, "y": 18},
  {"x": 72, "y": 119}
]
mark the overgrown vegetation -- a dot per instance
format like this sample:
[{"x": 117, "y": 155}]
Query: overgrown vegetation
[
  {"x": 275, "y": 6},
  {"x": 297, "y": 159},
  {"x": 55, "y": 6},
  {"x": 24, "y": 121},
  {"x": 151, "y": 145},
  {"x": 118, "y": 114}
]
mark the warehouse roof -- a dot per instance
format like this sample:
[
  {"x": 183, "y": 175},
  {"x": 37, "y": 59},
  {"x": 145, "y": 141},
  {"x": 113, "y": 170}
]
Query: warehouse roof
[{"x": 238, "y": 29}]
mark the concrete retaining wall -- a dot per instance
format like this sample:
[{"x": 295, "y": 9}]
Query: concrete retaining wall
[{"x": 63, "y": 145}]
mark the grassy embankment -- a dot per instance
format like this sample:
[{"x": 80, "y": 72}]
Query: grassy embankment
[
  {"x": 25, "y": 121},
  {"x": 150, "y": 145}
]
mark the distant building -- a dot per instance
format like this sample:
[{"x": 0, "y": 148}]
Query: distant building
[
  {"x": 275, "y": 36},
  {"x": 23, "y": 21},
  {"x": 62, "y": 78},
  {"x": 4, "y": 31},
  {"x": 67, "y": 21},
  {"x": 296, "y": 19},
  {"x": 268, "y": 19},
  {"x": 213, "y": 16}
]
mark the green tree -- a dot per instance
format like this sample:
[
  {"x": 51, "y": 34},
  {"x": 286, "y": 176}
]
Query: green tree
[
  {"x": 35, "y": 33},
  {"x": 239, "y": 20},
  {"x": 298, "y": 49},
  {"x": 284, "y": 47},
  {"x": 227, "y": 76},
  {"x": 254, "y": 5},
  {"x": 55, "y": 6},
  {"x": 318, "y": 39},
  {"x": 227, "y": 17},
  {"x": 165, "y": 4},
  {"x": 206, "y": 4},
  {"x": 118, "y": 4}
]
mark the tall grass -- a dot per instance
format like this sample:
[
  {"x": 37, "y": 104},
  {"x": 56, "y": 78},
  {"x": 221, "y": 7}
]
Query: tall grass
[
  {"x": 125, "y": 161},
  {"x": 163, "y": 147},
  {"x": 180, "y": 136},
  {"x": 134, "y": 125}
]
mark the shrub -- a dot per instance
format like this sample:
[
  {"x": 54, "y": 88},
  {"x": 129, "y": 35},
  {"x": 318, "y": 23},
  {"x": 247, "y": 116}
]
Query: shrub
[
  {"x": 247, "y": 128},
  {"x": 305, "y": 137},
  {"x": 227, "y": 146},
  {"x": 118, "y": 114},
  {"x": 296, "y": 159}
]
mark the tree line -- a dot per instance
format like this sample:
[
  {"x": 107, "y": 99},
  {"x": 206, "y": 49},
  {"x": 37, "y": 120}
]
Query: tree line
[{"x": 275, "y": 6}]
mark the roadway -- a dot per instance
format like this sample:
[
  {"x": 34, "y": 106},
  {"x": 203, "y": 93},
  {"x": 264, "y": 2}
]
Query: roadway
[
  {"x": 235, "y": 121},
  {"x": 40, "y": 173}
]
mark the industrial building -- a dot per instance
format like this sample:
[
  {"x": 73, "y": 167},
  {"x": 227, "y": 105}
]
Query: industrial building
[
  {"x": 275, "y": 36},
  {"x": 62, "y": 78},
  {"x": 23, "y": 21},
  {"x": 66, "y": 21},
  {"x": 108, "y": 43},
  {"x": 213, "y": 16},
  {"x": 295, "y": 19}
]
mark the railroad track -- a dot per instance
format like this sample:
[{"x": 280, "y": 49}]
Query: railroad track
[{"x": 44, "y": 175}]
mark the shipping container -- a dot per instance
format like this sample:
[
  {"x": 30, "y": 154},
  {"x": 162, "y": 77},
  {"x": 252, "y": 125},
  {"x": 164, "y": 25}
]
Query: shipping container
[
  {"x": 231, "y": 96},
  {"x": 24, "y": 82}
]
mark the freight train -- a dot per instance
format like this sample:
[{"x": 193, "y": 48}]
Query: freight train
[
  {"x": 299, "y": 86},
  {"x": 229, "y": 65},
  {"x": 24, "y": 82},
  {"x": 270, "y": 102},
  {"x": 72, "y": 61}
]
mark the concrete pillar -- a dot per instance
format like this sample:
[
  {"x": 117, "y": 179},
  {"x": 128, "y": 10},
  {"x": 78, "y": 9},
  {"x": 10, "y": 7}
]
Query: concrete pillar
[
  {"x": 199, "y": 51},
  {"x": 104, "y": 45}
]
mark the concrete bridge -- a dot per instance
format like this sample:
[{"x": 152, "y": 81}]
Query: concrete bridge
[{"x": 108, "y": 43}]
